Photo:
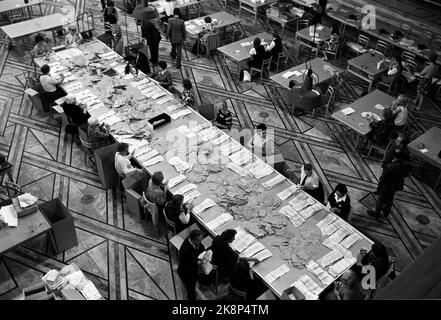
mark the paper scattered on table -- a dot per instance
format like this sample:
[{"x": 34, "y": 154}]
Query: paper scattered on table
[
  {"x": 277, "y": 273},
  {"x": 241, "y": 157},
  {"x": 304, "y": 290},
  {"x": 252, "y": 250},
  {"x": 90, "y": 292},
  {"x": 295, "y": 218},
  {"x": 342, "y": 265},
  {"x": 424, "y": 150},
  {"x": 379, "y": 107},
  {"x": 204, "y": 205},
  {"x": 180, "y": 165},
  {"x": 348, "y": 111},
  {"x": 310, "y": 284},
  {"x": 9, "y": 216},
  {"x": 176, "y": 180},
  {"x": 186, "y": 132},
  {"x": 230, "y": 148},
  {"x": 350, "y": 240},
  {"x": 288, "y": 74},
  {"x": 311, "y": 210},
  {"x": 323, "y": 276},
  {"x": 26, "y": 200},
  {"x": 148, "y": 155},
  {"x": 234, "y": 167},
  {"x": 326, "y": 221},
  {"x": 246, "y": 44},
  {"x": 189, "y": 197},
  {"x": 220, "y": 220},
  {"x": 273, "y": 182},
  {"x": 75, "y": 279},
  {"x": 262, "y": 255},
  {"x": 340, "y": 234},
  {"x": 285, "y": 194},
  {"x": 180, "y": 114},
  {"x": 259, "y": 169},
  {"x": 220, "y": 139}
]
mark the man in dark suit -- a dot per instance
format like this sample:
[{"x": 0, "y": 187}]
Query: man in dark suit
[
  {"x": 391, "y": 181},
  {"x": 176, "y": 34},
  {"x": 153, "y": 37},
  {"x": 188, "y": 268},
  {"x": 139, "y": 61}
]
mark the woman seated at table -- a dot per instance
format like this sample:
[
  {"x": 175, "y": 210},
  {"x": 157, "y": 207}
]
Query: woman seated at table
[
  {"x": 275, "y": 47},
  {"x": 382, "y": 131},
  {"x": 50, "y": 85},
  {"x": 178, "y": 213},
  {"x": 242, "y": 279},
  {"x": 75, "y": 112},
  {"x": 187, "y": 94},
  {"x": 157, "y": 191},
  {"x": 207, "y": 30},
  {"x": 424, "y": 85},
  {"x": 42, "y": 47},
  {"x": 347, "y": 288},
  {"x": 258, "y": 54},
  {"x": 73, "y": 37},
  {"x": 310, "y": 183},
  {"x": 163, "y": 76},
  {"x": 224, "y": 118},
  {"x": 377, "y": 257},
  {"x": 396, "y": 67},
  {"x": 331, "y": 44},
  {"x": 339, "y": 201}
]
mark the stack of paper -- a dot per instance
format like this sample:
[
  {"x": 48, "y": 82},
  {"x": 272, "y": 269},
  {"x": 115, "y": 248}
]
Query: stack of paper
[
  {"x": 112, "y": 120},
  {"x": 220, "y": 220},
  {"x": 220, "y": 139},
  {"x": 304, "y": 290},
  {"x": 341, "y": 266},
  {"x": 325, "y": 222},
  {"x": 142, "y": 149},
  {"x": 330, "y": 258},
  {"x": 102, "y": 117},
  {"x": 285, "y": 194},
  {"x": 336, "y": 246},
  {"x": 200, "y": 127},
  {"x": 186, "y": 131},
  {"x": 187, "y": 188},
  {"x": 299, "y": 205},
  {"x": 340, "y": 234},
  {"x": 324, "y": 276},
  {"x": 246, "y": 44},
  {"x": 242, "y": 241},
  {"x": 153, "y": 161},
  {"x": 234, "y": 167},
  {"x": 189, "y": 197},
  {"x": 288, "y": 74},
  {"x": 311, "y": 210},
  {"x": 280, "y": 271},
  {"x": 204, "y": 205},
  {"x": 72, "y": 86},
  {"x": 180, "y": 165},
  {"x": 349, "y": 241},
  {"x": 180, "y": 114},
  {"x": 164, "y": 100},
  {"x": 9, "y": 216},
  {"x": 209, "y": 133},
  {"x": 148, "y": 155},
  {"x": 348, "y": 111},
  {"x": 26, "y": 200},
  {"x": 252, "y": 250},
  {"x": 330, "y": 229},
  {"x": 273, "y": 182},
  {"x": 241, "y": 157},
  {"x": 176, "y": 180},
  {"x": 295, "y": 218},
  {"x": 262, "y": 255},
  {"x": 259, "y": 169},
  {"x": 310, "y": 284},
  {"x": 229, "y": 148}
]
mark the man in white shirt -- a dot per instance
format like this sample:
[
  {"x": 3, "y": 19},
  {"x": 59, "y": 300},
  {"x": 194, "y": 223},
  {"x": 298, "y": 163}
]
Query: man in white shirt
[
  {"x": 122, "y": 161},
  {"x": 261, "y": 144},
  {"x": 51, "y": 91},
  {"x": 310, "y": 183}
]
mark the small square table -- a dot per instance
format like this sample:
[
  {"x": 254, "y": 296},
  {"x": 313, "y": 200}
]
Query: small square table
[{"x": 365, "y": 67}]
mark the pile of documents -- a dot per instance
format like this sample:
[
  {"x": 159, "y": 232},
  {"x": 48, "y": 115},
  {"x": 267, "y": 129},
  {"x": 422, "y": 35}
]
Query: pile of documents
[
  {"x": 180, "y": 165},
  {"x": 252, "y": 250},
  {"x": 239, "y": 170},
  {"x": 242, "y": 240},
  {"x": 241, "y": 157},
  {"x": 293, "y": 216},
  {"x": 277, "y": 273},
  {"x": 324, "y": 276},
  {"x": 230, "y": 148},
  {"x": 180, "y": 114},
  {"x": 307, "y": 287},
  {"x": 288, "y": 192},
  {"x": 259, "y": 169},
  {"x": 9, "y": 216},
  {"x": 273, "y": 182},
  {"x": 219, "y": 221},
  {"x": 204, "y": 205},
  {"x": 176, "y": 180},
  {"x": 27, "y": 200}
]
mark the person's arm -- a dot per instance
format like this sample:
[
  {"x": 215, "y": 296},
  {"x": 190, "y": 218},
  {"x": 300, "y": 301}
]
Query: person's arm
[
  {"x": 252, "y": 51},
  {"x": 168, "y": 33},
  {"x": 60, "y": 82},
  {"x": 184, "y": 32},
  {"x": 184, "y": 217},
  {"x": 271, "y": 46},
  {"x": 102, "y": 133},
  {"x": 127, "y": 168}
]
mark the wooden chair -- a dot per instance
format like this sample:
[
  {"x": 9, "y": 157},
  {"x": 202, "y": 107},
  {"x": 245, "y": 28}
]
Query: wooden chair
[
  {"x": 302, "y": 24},
  {"x": 153, "y": 210},
  {"x": 13, "y": 189},
  {"x": 335, "y": 54},
  {"x": 87, "y": 146},
  {"x": 15, "y": 16},
  {"x": 212, "y": 43},
  {"x": 170, "y": 226},
  {"x": 360, "y": 46},
  {"x": 282, "y": 58},
  {"x": 240, "y": 294},
  {"x": 408, "y": 56},
  {"x": 329, "y": 100},
  {"x": 236, "y": 29},
  {"x": 266, "y": 65},
  {"x": 381, "y": 148},
  {"x": 396, "y": 82},
  {"x": 382, "y": 47}
]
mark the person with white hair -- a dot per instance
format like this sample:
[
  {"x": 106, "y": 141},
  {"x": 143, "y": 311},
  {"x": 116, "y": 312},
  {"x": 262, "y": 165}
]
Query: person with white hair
[
  {"x": 98, "y": 133},
  {"x": 73, "y": 37},
  {"x": 74, "y": 112}
]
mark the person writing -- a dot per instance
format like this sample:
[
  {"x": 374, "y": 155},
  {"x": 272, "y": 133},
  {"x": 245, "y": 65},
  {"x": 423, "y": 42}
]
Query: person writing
[
  {"x": 163, "y": 76},
  {"x": 50, "y": 84},
  {"x": 41, "y": 47},
  {"x": 275, "y": 47},
  {"x": 97, "y": 133},
  {"x": 257, "y": 53},
  {"x": 157, "y": 190},
  {"x": 339, "y": 201}
]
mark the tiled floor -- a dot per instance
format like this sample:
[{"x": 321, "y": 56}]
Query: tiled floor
[{"x": 121, "y": 254}]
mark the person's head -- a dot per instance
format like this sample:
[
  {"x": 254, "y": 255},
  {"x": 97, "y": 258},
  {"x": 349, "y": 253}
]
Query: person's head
[
  {"x": 256, "y": 42},
  {"x": 388, "y": 114},
  {"x": 275, "y": 35},
  {"x": 176, "y": 12},
  {"x": 379, "y": 250},
  {"x": 45, "y": 69},
  {"x": 134, "y": 51},
  {"x": 433, "y": 57},
  {"x": 401, "y": 100},
  {"x": 113, "y": 19},
  {"x": 341, "y": 190},
  {"x": 162, "y": 65},
  {"x": 224, "y": 107},
  {"x": 177, "y": 201},
  {"x": 72, "y": 29},
  {"x": 228, "y": 235},
  {"x": 307, "y": 168},
  {"x": 291, "y": 84},
  {"x": 157, "y": 178},
  {"x": 70, "y": 99},
  {"x": 39, "y": 39},
  {"x": 110, "y": 3},
  {"x": 123, "y": 148},
  {"x": 93, "y": 121},
  {"x": 261, "y": 127},
  {"x": 309, "y": 73},
  {"x": 187, "y": 84},
  {"x": 402, "y": 140},
  {"x": 349, "y": 279},
  {"x": 335, "y": 28},
  {"x": 397, "y": 155},
  {"x": 207, "y": 19},
  {"x": 196, "y": 236}
]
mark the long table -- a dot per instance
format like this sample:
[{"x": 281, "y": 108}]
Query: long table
[
  {"x": 253, "y": 6},
  {"x": 181, "y": 4},
  {"x": 224, "y": 19},
  {"x": 25, "y": 28},
  {"x": 238, "y": 53},
  {"x": 10, "y": 5},
  {"x": 170, "y": 140}
]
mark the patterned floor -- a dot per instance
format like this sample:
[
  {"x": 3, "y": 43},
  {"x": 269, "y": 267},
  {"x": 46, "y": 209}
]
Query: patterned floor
[{"x": 118, "y": 252}]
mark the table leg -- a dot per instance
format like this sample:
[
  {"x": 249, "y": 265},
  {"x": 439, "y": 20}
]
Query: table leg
[
  {"x": 283, "y": 30},
  {"x": 29, "y": 12},
  {"x": 437, "y": 182},
  {"x": 9, "y": 173},
  {"x": 370, "y": 84},
  {"x": 41, "y": 11},
  {"x": 356, "y": 141},
  {"x": 238, "y": 71}
]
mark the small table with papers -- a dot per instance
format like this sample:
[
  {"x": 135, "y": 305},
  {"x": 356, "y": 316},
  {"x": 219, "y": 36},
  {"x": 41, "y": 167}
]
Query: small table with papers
[
  {"x": 10, "y": 5},
  {"x": 239, "y": 51},
  {"x": 223, "y": 19},
  {"x": 365, "y": 67},
  {"x": 253, "y": 6},
  {"x": 307, "y": 36},
  {"x": 274, "y": 14}
]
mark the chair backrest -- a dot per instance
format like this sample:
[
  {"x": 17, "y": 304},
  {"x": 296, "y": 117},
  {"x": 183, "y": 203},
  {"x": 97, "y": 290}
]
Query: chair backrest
[
  {"x": 151, "y": 207},
  {"x": 363, "y": 41},
  {"x": 408, "y": 56},
  {"x": 86, "y": 144},
  {"x": 266, "y": 64},
  {"x": 382, "y": 46},
  {"x": 13, "y": 189},
  {"x": 213, "y": 42},
  {"x": 282, "y": 57},
  {"x": 412, "y": 66},
  {"x": 302, "y": 24},
  {"x": 329, "y": 95},
  {"x": 240, "y": 294},
  {"x": 170, "y": 224}
]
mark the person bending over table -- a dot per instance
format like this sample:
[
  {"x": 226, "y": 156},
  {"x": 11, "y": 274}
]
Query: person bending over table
[
  {"x": 77, "y": 113},
  {"x": 310, "y": 182},
  {"x": 163, "y": 76},
  {"x": 50, "y": 85},
  {"x": 207, "y": 31},
  {"x": 224, "y": 118},
  {"x": 377, "y": 257},
  {"x": 178, "y": 213},
  {"x": 223, "y": 255},
  {"x": 424, "y": 85},
  {"x": 122, "y": 161},
  {"x": 275, "y": 47},
  {"x": 347, "y": 288},
  {"x": 97, "y": 133},
  {"x": 339, "y": 201},
  {"x": 187, "y": 94},
  {"x": 400, "y": 112},
  {"x": 42, "y": 47},
  {"x": 383, "y": 130},
  {"x": 73, "y": 37},
  {"x": 139, "y": 60},
  {"x": 157, "y": 191},
  {"x": 242, "y": 279}
]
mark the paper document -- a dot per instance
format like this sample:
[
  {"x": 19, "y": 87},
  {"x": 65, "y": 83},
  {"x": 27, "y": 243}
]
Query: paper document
[
  {"x": 348, "y": 111},
  {"x": 242, "y": 241},
  {"x": 326, "y": 221},
  {"x": 189, "y": 197},
  {"x": 273, "y": 182},
  {"x": 90, "y": 292},
  {"x": 153, "y": 161},
  {"x": 186, "y": 188},
  {"x": 234, "y": 167},
  {"x": 349, "y": 241},
  {"x": 9, "y": 216},
  {"x": 285, "y": 194},
  {"x": 204, "y": 205},
  {"x": 26, "y": 200},
  {"x": 262, "y": 255},
  {"x": 280, "y": 271},
  {"x": 252, "y": 250},
  {"x": 220, "y": 220},
  {"x": 330, "y": 258},
  {"x": 176, "y": 180},
  {"x": 186, "y": 132}
]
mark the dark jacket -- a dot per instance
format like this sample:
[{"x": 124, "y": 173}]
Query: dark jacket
[
  {"x": 389, "y": 154},
  {"x": 381, "y": 131},
  {"x": 164, "y": 80},
  {"x": 142, "y": 63},
  {"x": 278, "y": 48},
  {"x": 75, "y": 113},
  {"x": 176, "y": 30},
  {"x": 393, "y": 176},
  {"x": 260, "y": 55},
  {"x": 223, "y": 255},
  {"x": 173, "y": 215},
  {"x": 344, "y": 206},
  {"x": 188, "y": 259},
  {"x": 150, "y": 32}
]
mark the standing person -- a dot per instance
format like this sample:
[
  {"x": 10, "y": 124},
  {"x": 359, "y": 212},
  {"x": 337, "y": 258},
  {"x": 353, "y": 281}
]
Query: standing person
[
  {"x": 187, "y": 94},
  {"x": 275, "y": 47},
  {"x": 224, "y": 118},
  {"x": 258, "y": 54},
  {"x": 163, "y": 76},
  {"x": 391, "y": 181},
  {"x": 176, "y": 34},
  {"x": 110, "y": 11},
  {"x": 122, "y": 161},
  {"x": 397, "y": 145},
  {"x": 153, "y": 37},
  {"x": 178, "y": 213},
  {"x": 76, "y": 112},
  {"x": 424, "y": 86},
  {"x": 400, "y": 112},
  {"x": 188, "y": 268},
  {"x": 97, "y": 133},
  {"x": 260, "y": 143},
  {"x": 339, "y": 201},
  {"x": 139, "y": 61},
  {"x": 310, "y": 182}
]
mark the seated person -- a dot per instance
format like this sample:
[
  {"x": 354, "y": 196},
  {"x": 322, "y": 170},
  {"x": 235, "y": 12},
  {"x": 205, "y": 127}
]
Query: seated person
[
  {"x": 41, "y": 47},
  {"x": 310, "y": 182},
  {"x": 331, "y": 44},
  {"x": 395, "y": 69},
  {"x": 107, "y": 36},
  {"x": 157, "y": 190},
  {"x": 242, "y": 279},
  {"x": 275, "y": 47},
  {"x": 77, "y": 113},
  {"x": 178, "y": 213},
  {"x": 223, "y": 255},
  {"x": 207, "y": 31},
  {"x": 163, "y": 76},
  {"x": 258, "y": 54},
  {"x": 400, "y": 111},
  {"x": 98, "y": 134},
  {"x": 260, "y": 143},
  {"x": 51, "y": 85},
  {"x": 377, "y": 257},
  {"x": 122, "y": 161},
  {"x": 339, "y": 201},
  {"x": 139, "y": 60},
  {"x": 187, "y": 96},
  {"x": 383, "y": 130},
  {"x": 224, "y": 118},
  {"x": 347, "y": 288},
  {"x": 73, "y": 37}
]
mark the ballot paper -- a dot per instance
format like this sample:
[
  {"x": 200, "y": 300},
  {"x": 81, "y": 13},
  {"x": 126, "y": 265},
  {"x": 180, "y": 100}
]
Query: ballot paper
[
  {"x": 252, "y": 250},
  {"x": 309, "y": 211},
  {"x": 204, "y": 205},
  {"x": 326, "y": 221},
  {"x": 341, "y": 266},
  {"x": 259, "y": 169},
  {"x": 187, "y": 188},
  {"x": 164, "y": 100},
  {"x": 209, "y": 133},
  {"x": 148, "y": 155},
  {"x": 293, "y": 216},
  {"x": 90, "y": 292},
  {"x": 180, "y": 114},
  {"x": 230, "y": 148},
  {"x": 304, "y": 290},
  {"x": 200, "y": 127},
  {"x": 112, "y": 120},
  {"x": 180, "y": 165},
  {"x": 72, "y": 86},
  {"x": 220, "y": 139},
  {"x": 153, "y": 161},
  {"x": 323, "y": 276},
  {"x": 142, "y": 149},
  {"x": 219, "y": 221},
  {"x": 137, "y": 84},
  {"x": 186, "y": 132},
  {"x": 246, "y": 44},
  {"x": 350, "y": 240},
  {"x": 340, "y": 234},
  {"x": 262, "y": 255},
  {"x": 242, "y": 241},
  {"x": 76, "y": 279},
  {"x": 298, "y": 205},
  {"x": 158, "y": 94},
  {"x": 329, "y": 229},
  {"x": 26, "y": 200},
  {"x": 105, "y": 115},
  {"x": 9, "y": 216},
  {"x": 241, "y": 157},
  {"x": 277, "y": 273},
  {"x": 268, "y": 185},
  {"x": 330, "y": 258},
  {"x": 310, "y": 284},
  {"x": 288, "y": 74},
  {"x": 234, "y": 167},
  {"x": 189, "y": 197},
  {"x": 348, "y": 111},
  {"x": 176, "y": 180},
  {"x": 285, "y": 194},
  {"x": 174, "y": 108}
]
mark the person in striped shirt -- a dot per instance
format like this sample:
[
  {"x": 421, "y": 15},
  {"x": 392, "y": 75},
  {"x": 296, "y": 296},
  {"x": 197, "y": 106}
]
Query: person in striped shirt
[{"x": 224, "y": 118}]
